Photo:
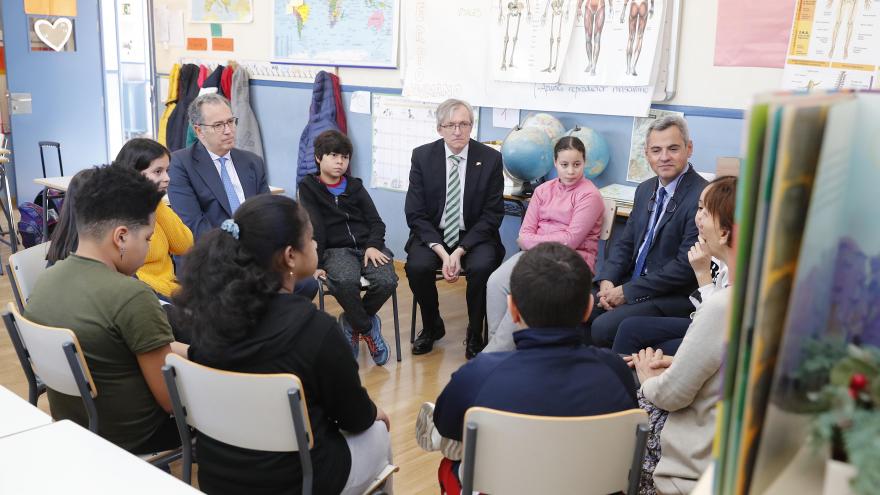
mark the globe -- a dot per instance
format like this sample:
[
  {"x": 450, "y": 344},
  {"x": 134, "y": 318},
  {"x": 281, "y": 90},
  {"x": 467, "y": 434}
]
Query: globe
[
  {"x": 547, "y": 123},
  {"x": 598, "y": 152},
  {"x": 527, "y": 153}
]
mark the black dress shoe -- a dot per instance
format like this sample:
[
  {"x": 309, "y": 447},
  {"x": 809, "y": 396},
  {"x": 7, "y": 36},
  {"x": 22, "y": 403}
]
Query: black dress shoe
[
  {"x": 473, "y": 344},
  {"x": 425, "y": 340}
]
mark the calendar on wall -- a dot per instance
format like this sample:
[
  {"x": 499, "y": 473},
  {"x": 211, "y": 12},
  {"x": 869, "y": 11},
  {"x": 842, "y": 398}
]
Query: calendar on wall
[{"x": 399, "y": 125}]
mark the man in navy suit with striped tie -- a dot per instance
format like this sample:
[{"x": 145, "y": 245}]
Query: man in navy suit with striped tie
[
  {"x": 211, "y": 178},
  {"x": 454, "y": 208},
  {"x": 647, "y": 271}
]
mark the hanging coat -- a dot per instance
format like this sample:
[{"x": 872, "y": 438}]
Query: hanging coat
[
  {"x": 178, "y": 121},
  {"x": 247, "y": 136},
  {"x": 325, "y": 113},
  {"x": 170, "y": 102}
]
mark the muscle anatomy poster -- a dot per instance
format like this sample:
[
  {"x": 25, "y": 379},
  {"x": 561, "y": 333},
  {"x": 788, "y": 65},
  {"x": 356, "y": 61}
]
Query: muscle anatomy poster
[
  {"x": 615, "y": 42},
  {"x": 834, "y": 44}
]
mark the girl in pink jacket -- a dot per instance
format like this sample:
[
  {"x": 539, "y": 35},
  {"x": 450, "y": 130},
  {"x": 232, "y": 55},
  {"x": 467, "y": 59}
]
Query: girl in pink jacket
[{"x": 567, "y": 210}]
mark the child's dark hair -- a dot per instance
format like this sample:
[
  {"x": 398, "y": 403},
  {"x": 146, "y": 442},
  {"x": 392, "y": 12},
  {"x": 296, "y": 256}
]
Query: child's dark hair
[
  {"x": 64, "y": 239},
  {"x": 331, "y": 141},
  {"x": 139, "y": 153},
  {"x": 114, "y": 196},
  {"x": 569, "y": 143},
  {"x": 226, "y": 284},
  {"x": 550, "y": 285}
]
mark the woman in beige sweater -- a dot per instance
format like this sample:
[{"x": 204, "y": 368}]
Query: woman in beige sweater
[{"x": 680, "y": 394}]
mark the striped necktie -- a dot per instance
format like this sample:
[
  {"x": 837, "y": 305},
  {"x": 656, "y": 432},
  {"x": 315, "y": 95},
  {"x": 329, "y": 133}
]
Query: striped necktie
[
  {"x": 227, "y": 185},
  {"x": 453, "y": 204}
]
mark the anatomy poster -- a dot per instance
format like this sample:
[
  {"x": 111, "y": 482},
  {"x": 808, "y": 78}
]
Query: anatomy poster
[
  {"x": 434, "y": 70},
  {"x": 834, "y": 44},
  {"x": 530, "y": 39},
  {"x": 615, "y": 42}
]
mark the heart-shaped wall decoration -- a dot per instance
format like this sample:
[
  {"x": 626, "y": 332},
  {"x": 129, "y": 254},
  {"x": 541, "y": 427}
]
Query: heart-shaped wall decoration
[{"x": 54, "y": 34}]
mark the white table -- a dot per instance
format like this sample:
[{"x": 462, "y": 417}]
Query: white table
[
  {"x": 17, "y": 415},
  {"x": 65, "y": 458}
]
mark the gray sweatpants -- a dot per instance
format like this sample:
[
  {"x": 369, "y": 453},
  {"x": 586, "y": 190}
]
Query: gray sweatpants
[
  {"x": 501, "y": 327},
  {"x": 345, "y": 267}
]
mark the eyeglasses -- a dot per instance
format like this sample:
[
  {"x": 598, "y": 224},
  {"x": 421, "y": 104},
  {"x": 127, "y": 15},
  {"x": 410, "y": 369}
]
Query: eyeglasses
[
  {"x": 221, "y": 126},
  {"x": 464, "y": 126}
]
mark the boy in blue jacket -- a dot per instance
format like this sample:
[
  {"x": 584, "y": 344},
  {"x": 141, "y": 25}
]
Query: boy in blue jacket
[{"x": 551, "y": 372}]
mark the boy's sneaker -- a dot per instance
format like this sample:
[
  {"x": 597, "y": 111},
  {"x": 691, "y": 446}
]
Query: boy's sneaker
[
  {"x": 350, "y": 337},
  {"x": 426, "y": 434},
  {"x": 375, "y": 342}
]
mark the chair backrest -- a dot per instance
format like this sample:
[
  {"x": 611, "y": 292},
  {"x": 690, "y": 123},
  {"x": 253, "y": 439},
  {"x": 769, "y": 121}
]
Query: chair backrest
[
  {"x": 25, "y": 267},
  {"x": 516, "y": 453},
  {"x": 45, "y": 347},
  {"x": 608, "y": 218},
  {"x": 250, "y": 411}
]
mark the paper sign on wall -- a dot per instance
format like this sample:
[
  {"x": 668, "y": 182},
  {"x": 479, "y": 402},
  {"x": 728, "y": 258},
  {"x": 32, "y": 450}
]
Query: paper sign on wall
[{"x": 50, "y": 7}]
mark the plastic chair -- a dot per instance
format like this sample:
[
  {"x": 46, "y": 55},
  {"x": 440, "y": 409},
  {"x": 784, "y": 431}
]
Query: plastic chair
[
  {"x": 324, "y": 289},
  {"x": 24, "y": 268},
  {"x": 55, "y": 354},
  {"x": 221, "y": 405},
  {"x": 587, "y": 455}
]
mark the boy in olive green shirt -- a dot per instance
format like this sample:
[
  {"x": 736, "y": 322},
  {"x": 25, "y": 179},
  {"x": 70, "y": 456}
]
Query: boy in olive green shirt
[{"x": 120, "y": 325}]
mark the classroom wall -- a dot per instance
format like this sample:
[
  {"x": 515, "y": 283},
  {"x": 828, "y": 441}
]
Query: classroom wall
[
  {"x": 700, "y": 83},
  {"x": 282, "y": 109}
]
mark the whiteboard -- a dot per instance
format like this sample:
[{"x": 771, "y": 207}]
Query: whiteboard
[{"x": 399, "y": 126}]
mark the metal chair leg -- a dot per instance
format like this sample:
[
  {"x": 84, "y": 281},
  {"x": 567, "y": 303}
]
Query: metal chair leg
[
  {"x": 396, "y": 324},
  {"x": 412, "y": 329}
]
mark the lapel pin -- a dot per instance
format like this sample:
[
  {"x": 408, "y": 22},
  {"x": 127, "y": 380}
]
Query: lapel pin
[{"x": 478, "y": 164}]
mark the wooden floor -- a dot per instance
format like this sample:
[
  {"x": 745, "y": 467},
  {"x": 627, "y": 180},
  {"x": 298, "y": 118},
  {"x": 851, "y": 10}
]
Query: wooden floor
[{"x": 399, "y": 388}]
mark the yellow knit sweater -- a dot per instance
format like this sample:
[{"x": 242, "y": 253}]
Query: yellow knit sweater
[{"x": 171, "y": 236}]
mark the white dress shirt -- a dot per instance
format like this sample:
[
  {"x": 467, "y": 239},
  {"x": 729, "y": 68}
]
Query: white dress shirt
[{"x": 233, "y": 175}]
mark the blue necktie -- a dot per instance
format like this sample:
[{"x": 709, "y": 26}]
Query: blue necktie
[
  {"x": 227, "y": 185},
  {"x": 643, "y": 255}
]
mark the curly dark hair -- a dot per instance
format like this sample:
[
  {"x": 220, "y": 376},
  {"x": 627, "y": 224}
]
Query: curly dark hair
[
  {"x": 113, "y": 196},
  {"x": 226, "y": 284}
]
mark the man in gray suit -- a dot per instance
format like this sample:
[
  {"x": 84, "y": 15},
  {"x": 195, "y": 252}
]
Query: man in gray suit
[{"x": 211, "y": 178}]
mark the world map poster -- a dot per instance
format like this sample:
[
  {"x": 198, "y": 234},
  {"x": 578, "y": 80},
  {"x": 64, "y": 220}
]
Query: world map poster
[
  {"x": 221, "y": 11},
  {"x": 360, "y": 33}
]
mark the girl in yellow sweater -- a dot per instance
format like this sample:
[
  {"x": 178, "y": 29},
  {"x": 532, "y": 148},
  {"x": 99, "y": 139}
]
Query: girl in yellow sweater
[{"x": 171, "y": 236}]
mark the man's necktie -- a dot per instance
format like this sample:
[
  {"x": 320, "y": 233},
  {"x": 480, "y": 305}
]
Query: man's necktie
[
  {"x": 227, "y": 185},
  {"x": 643, "y": 255},
  {"x": 453, "y": 204}
]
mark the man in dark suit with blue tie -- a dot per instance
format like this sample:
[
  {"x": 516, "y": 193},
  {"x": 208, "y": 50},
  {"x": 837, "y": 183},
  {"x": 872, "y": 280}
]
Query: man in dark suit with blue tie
[
  {"x": 647, "y": 272},
  {"x": 454, "y": 208},
  {"x": 211, "y": 178}
]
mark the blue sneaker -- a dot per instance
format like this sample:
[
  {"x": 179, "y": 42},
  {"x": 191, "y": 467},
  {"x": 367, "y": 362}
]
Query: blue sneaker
[
  {"x": 375, "y": 342},
  {"x": 350, "y": 337}
]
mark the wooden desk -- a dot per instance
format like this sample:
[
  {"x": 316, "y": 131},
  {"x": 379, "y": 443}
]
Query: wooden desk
[
  {"x": 17, "y": 415},
  {"x": 622, "y": 195},
  {"x": 65, "y": 458},
  {"x": 62, "y": 183}
]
